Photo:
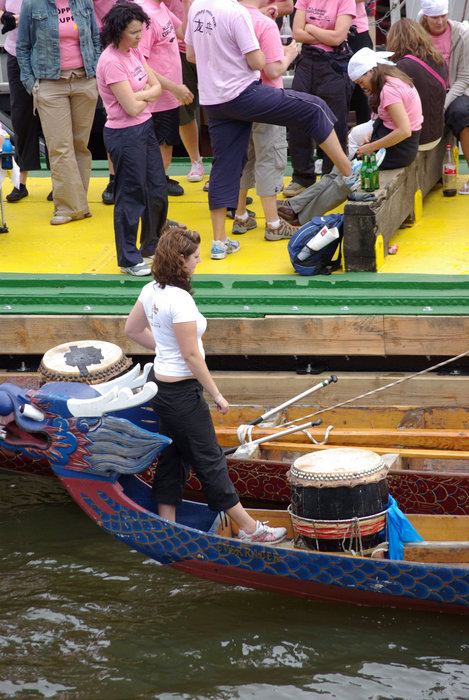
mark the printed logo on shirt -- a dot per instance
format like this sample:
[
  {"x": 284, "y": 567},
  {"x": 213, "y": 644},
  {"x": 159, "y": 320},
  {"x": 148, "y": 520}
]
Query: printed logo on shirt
[
  {"x": 65, "y": 15},
  {"x": 167, "y": 30},
  {"x": 204, "y": 22}
]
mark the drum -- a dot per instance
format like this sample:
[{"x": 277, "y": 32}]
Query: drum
[
  {"x": 86, "y": 361},
  {"x": 338, "y": 499}
]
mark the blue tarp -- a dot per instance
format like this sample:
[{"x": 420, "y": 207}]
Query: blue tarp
[{"x": 400, "y": 530}]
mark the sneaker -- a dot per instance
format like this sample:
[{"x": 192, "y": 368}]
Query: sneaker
[
  {"x": 196, "y": 173},
  {"x": 220, "y": 249},
  {"x": 241, "y": 226},
  {"x": 17, "y": 193},
  {"x": 292, "y": 189},
  {"x": 174, "y": 188},
  {"x": 285, "y": 230},
  {"x": 353, "y": 180},
  {"x": 231, "y": 212},
  {"x": 170, "y": 224},
  {"x": 380, "y": 155},
  {"x": 264, "y": 534},
  {"x": 108, "y": 194},
  {"x": 50, "y": 196},
  {"x": 139, "y": 270},
  {"x": 205, "y": 187},
  {"x": 285, "y": 211}
]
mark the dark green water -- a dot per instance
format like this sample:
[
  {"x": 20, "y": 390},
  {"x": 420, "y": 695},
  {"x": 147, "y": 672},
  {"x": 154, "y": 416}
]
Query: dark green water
[{"x": 82, "y": 616}]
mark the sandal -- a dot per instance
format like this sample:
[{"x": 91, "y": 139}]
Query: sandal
[{"x": 465, "y": 188}]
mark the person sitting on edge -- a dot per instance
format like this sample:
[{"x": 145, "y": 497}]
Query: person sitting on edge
[
  {"x": 394, "y": 134},
  {"x": 267, "y": 153},
  {"x": 220, "y": 38},
  {"x": 165, "y": 319},
  {"x": 452, "y": 40}
]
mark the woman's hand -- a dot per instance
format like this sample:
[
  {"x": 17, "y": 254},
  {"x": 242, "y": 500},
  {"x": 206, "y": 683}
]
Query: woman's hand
[{"x": 222, "y": 404}]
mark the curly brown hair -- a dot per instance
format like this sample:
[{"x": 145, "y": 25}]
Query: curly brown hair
[
  {"x": 409, "y": 37},
  {"x": 378, "y": 79},
  {"x": 168, "y": 264}
]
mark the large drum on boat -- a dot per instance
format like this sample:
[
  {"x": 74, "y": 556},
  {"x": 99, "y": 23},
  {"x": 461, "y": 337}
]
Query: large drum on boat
[
  {"x": 86, "y": 361},
  {"x": 339, "y": 499}
]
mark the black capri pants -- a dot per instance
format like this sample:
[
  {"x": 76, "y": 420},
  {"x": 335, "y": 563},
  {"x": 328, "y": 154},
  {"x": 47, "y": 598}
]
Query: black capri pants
[{"x": 184, "y": 416}]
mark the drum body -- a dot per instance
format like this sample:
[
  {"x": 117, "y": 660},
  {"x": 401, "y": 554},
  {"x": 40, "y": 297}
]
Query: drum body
[{"x": 338, "y": 499}]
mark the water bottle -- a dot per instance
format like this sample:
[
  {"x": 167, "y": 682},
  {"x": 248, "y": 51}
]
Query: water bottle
[
  {"x": 7, "y": 157},
  {"x": 449, "y": 173},
  {"x": 320, "y": 240}
]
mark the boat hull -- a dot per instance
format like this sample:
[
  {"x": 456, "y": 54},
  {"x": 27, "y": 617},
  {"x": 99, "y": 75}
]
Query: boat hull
[{"x": 121, "y": 508}]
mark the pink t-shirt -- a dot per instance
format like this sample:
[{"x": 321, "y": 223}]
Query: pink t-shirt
[
  {"x": 175, "y": 6},
  {"x": 268, "y": 35},
  {"x": 442, "y": 43},
  {"x": 221, "y": 33},
  {"x": 69, "y": 37},
  {"x": 101, "y": 8},
  {"x": 13, "y": 6},
  {"x": 361, "y": 19},
  {"x": 115, "y": 66},
  {"x": 324, "y": 13},
  {"x": 396, "y": 91},
  {"x": 160, "y": 48}
]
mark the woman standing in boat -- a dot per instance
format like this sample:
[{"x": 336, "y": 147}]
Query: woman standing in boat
[
  {"x": 166, "y": 319},
  {"x": 127, "y": 85}
]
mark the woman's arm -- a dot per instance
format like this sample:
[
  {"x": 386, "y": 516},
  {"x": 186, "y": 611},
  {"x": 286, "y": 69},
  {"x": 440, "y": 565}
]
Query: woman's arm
[
  {"x": 24, "y": 48},
  {"x": 186, "y": 336},
  {"x": 310, "y": 34},
  {"x": 403, "y": 130},
  {"x": 135, "y": 102},
  {"x": 137, "y": 328},
  {"x": 180, "y": 92},
  {"x": 278, "y": 68},
  {"x": 181, "y": 30}
]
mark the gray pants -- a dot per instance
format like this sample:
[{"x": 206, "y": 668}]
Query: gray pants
[{"x": 321, "y": 197}]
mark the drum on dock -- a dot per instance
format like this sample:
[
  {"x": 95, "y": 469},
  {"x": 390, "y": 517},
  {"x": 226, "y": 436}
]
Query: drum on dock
[
  {"x": 339, "y": 499},
  {"x": 86, "y": 361}
]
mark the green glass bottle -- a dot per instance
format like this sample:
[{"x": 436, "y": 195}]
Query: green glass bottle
[
  {"x": 363, "y": 170},
  {"x": 374, "y": 173},
  {"x": 368, "y": 178}
]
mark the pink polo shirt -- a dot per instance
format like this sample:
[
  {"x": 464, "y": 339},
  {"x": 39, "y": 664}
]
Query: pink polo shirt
[{"x": 324, "y": 13}]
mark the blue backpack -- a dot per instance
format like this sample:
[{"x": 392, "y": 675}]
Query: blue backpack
[{"x": 318, "y": 262}]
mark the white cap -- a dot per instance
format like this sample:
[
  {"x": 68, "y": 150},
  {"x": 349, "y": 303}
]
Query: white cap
[
  {"x": 365, "y": 59},
  {"x": 434, "y": 8}
]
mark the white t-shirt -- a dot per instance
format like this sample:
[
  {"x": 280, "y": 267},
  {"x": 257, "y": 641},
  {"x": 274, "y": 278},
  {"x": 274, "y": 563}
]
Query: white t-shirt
[
  {"x": 163, "y": 308},
  {"x": 221, "y": 33}
]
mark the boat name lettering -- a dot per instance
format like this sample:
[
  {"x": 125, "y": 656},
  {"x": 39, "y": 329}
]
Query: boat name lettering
[{"x": 244, "y": 552}]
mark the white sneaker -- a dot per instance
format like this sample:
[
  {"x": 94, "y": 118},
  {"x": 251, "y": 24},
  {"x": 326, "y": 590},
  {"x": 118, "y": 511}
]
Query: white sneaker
[
  {"x": 138, "y": 270},
  {"x": 196, "y": 173},
  {"x": 220, "y": 249},
  {"x": 380, "y": 155},
  {"x": 353, "y": 180},
  {"x": 264, "y": 534}
]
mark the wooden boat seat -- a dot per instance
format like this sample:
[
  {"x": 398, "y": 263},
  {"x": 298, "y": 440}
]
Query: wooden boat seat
[{"x": 438, "y": 552}]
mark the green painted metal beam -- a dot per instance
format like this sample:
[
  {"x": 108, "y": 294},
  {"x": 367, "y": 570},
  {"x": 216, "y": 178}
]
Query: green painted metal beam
[{"x": 245, "y": 295}]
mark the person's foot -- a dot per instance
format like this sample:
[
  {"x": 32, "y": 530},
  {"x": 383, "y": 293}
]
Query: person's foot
[
  {"x": 170, "y": 224},
  {"x": 220, "y": 249},
  {"x": 205, "y": 187},
  {"x": 292, "y": 189},
  {"x": 286, "y": 211},
  {"x": 59, "y": 219},
  {"x": 196, "y": 173},
  {"x": 285, "y": 230},
  {"x": 108, "y": 194},
  {"x": 139, "y": 270},
  {"x": 50, "y": 196},
  {"x": 264, "y": 534},
  {"x": 241, "y": 225},
  {"x": 174, "y": 188},
  {"x": 353, "y": 180},
  {"x": 17, "y": 193}
]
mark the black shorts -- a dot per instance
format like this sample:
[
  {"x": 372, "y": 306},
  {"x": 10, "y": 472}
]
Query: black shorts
[
  {"x": 166, "y": 125},
  {"x": 457, "y": 114}
]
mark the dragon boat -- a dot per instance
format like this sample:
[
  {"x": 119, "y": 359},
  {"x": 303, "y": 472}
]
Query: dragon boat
[{"x": 98, "y": 452}]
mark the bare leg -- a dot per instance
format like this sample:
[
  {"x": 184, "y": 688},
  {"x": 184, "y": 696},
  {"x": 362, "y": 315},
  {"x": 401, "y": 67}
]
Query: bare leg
[
  {"x": 166, "y": 154},
  {"x": 190, "y": 137},
  {"x": 269, "y": 205},
  {"x": 166, "y": 511},
  {"x": 218, "y": 224},
  {"x": 241, "y": 210},
  {"x": 242, "y": 519},
  {"x": 23, "y": 177},
  {"x": 334, "y": 150}
]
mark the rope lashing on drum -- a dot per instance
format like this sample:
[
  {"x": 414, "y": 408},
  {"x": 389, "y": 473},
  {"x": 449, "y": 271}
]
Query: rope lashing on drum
[
  {"x": 381, "y": 388},
  {"x": 244, "y": 434}
]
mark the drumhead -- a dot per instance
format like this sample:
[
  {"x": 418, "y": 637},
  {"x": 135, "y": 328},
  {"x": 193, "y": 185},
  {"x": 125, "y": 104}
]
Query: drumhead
[
  {"x": 338, "y": 466},
  {"x": 86, "y": 361}
]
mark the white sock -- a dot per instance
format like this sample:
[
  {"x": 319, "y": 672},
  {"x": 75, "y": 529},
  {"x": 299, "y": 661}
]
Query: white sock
[
  {"x": 243, "y": 217},
  {"x": 274, "y": 224}
]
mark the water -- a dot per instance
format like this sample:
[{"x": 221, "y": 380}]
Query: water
[{"x": 82, "y": 616}]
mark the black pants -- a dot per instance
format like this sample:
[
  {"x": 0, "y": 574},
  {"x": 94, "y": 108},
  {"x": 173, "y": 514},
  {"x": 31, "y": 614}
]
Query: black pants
[
  {"x": 26, "y": 125},
  {"x": 184, "y": 416},
  {"x": 359, "y": 101}
]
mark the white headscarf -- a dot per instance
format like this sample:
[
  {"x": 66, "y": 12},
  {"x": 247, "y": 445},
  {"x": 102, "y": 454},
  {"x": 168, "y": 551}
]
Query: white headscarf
[
  {"x": 365, "y": 59},
  {"x": 433, "y": 8}
]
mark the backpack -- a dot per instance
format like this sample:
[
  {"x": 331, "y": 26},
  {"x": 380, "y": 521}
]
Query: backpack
[{"x": 318, "y": 262}]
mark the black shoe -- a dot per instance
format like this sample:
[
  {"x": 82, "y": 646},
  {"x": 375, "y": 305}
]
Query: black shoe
[
  {"x": 17, "y": 194},
  {"x": 231, "y": 212},
  {"x": 174, "y": 188},
  {"x": 50, "y": 196},
  {"x": 108, "y": 194},
  {"x": 248, "y": 200}
]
